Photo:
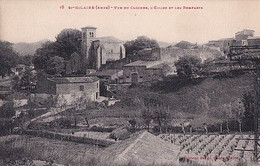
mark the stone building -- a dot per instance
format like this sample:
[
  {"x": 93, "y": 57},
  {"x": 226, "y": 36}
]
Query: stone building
[
  {"x": 88, "y": 86},
  {"x": 143, "y": 71},
  {"x": 111, "y": 76},
  {"x": 244, "y": 34},
  {"x": 95, "y": 52},
  {"x": 242, "y": 38},
  {"x": 253, "y": 41},
  {"x": 149, "y": 54}
]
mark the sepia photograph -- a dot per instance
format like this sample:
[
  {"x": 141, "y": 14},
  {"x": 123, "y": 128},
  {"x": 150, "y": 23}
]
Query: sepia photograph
[{"x": 129, "y": 83}]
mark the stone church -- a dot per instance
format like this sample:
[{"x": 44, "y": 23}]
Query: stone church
[{"x": 95, "y": 52}]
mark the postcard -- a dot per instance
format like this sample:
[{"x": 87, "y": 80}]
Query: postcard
[{"x": 129, "y": 82}]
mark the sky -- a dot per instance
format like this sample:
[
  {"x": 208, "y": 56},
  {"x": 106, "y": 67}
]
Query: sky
[{"x": 34, "y": 20}]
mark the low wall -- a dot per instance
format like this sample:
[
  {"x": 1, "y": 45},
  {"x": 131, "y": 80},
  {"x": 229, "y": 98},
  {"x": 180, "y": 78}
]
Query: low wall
[{"x": 65, "y": 137}]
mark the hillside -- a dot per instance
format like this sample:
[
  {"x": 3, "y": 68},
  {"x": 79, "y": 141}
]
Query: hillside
[
  {"x": 28, "y": 48},
  {"x": 190, "y": 99}
]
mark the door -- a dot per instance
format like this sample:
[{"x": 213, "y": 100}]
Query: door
[{"x": 134, "y": 78}]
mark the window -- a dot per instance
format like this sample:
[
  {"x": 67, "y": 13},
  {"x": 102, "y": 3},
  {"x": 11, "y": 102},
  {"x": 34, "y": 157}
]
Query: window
[
  {"x": 127, "y": 76},
  {"x": 84, "y": 34},
  {"x": 97, "y": 85},
  {"x": 111, "y": 50},
  {"x": 81, "y": 88},
  {"x": 141, "y": 76},
  {"x": 91, "y": 34}
]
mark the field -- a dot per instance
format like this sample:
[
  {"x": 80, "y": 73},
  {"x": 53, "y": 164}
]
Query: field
[
  {"x": 213, "y": 149},
  {"x": 36, "y": 148}
]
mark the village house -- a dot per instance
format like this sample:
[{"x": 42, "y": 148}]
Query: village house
[
  {"x": 19, "y": 69},
  {"x": 88, "y": 86},
  {"x": 149, "y": 54},
  {"x": 253, "y": 41},
  {"x": 111, "y": 76},
  {"x": 143, "y": 71},
  {"x": 108, "y": 77},
  {"x": 242, "y": 38},
  {"x": 96, "y": 51}
]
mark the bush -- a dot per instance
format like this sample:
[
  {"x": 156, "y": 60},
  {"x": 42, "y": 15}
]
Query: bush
[
  {"x": 101, "y": 129},
  {"x": 120, "y": 133}
]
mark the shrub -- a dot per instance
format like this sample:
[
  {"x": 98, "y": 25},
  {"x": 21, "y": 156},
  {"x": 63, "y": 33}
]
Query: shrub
[
  {"x": 120, "y": 133},
  {"x": 101, "y": 129}
]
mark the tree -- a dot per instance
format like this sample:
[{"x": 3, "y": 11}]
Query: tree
[
  {"x": 249, "y": 105},
  {"x": 227, "y": 114},
  {"x": 16, "y": 82},
  {"x": 184, "y": 44},
  {"x": 7, "y": 110},
  {"x": 160, "y": 116},
  {"x": 26, "y": 60},
  {"x": 68, "y": 42},
  {"x": 8, "y": 58},
  {"x": 188, "y": 67},
  {"x": 43, "y": 54},
  {"x": 132, "y": 123},
  {"x": 238, "y": 110},
  {"x": 27, "y": 79},
  {"x": 140, "y": 43},
  {"x": 56, "y": 66},
  {"x": 147, "y": 116}
]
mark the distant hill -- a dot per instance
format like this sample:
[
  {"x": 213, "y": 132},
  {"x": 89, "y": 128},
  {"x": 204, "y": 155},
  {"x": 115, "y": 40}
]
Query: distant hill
[{"x": 24, "y": 48}]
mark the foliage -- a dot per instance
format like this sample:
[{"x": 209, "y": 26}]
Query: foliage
[
  {"x": 188, "y": 67},
  {"x": 8, "y": 58},
  {"x": 7, "y": 110},
  {"x": 16, "y": 82},
  {"x": 132, "y": 123},
  {"x": 249, "y": 105},
  {"x": 184, "y": 44},
  {"x": 68, "y": 41},
  {"x": 120, "y": 133},
  {"x": 147, "y": 116},
  {"x": 51, "y": 56},
  {"x": 56, "y": 66},
  {"x": 166, "y": 69},
  {"x": 140, "y": 43},
  {"x": 43, "y": 54},
  {"x": 25, "y": 60},
  {"x": 27, "y": 79}
]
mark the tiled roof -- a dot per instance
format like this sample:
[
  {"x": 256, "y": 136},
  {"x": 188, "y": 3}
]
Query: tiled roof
[
  {"x": 65, "y": 80},
  {"x": 143, "y": 148},
  {"x": 147, "y": 64},
  {"x": 109, "y": 39},
  {"x": 108, "y": 72}
]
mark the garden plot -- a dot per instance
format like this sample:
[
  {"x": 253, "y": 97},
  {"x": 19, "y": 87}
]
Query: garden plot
[{"x": 213, "y": 149}]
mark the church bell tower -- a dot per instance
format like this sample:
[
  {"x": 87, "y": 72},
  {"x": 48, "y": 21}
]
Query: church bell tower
[{"x": 88, "y": 36}]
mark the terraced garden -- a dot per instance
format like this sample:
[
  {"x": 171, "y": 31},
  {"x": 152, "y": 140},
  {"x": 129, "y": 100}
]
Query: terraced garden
[{"x": 213, "y": 149}]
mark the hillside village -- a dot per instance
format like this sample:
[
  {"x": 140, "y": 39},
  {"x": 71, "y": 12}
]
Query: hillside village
[{"x": 110, "y": 102}]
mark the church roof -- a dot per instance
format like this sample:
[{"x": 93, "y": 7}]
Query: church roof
[
  {"x": 109, "y": 39},
  {"x": 143, "y": 148},
  {"x": 66, "y": 80},
  {"x": 89, "y": 27}
]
